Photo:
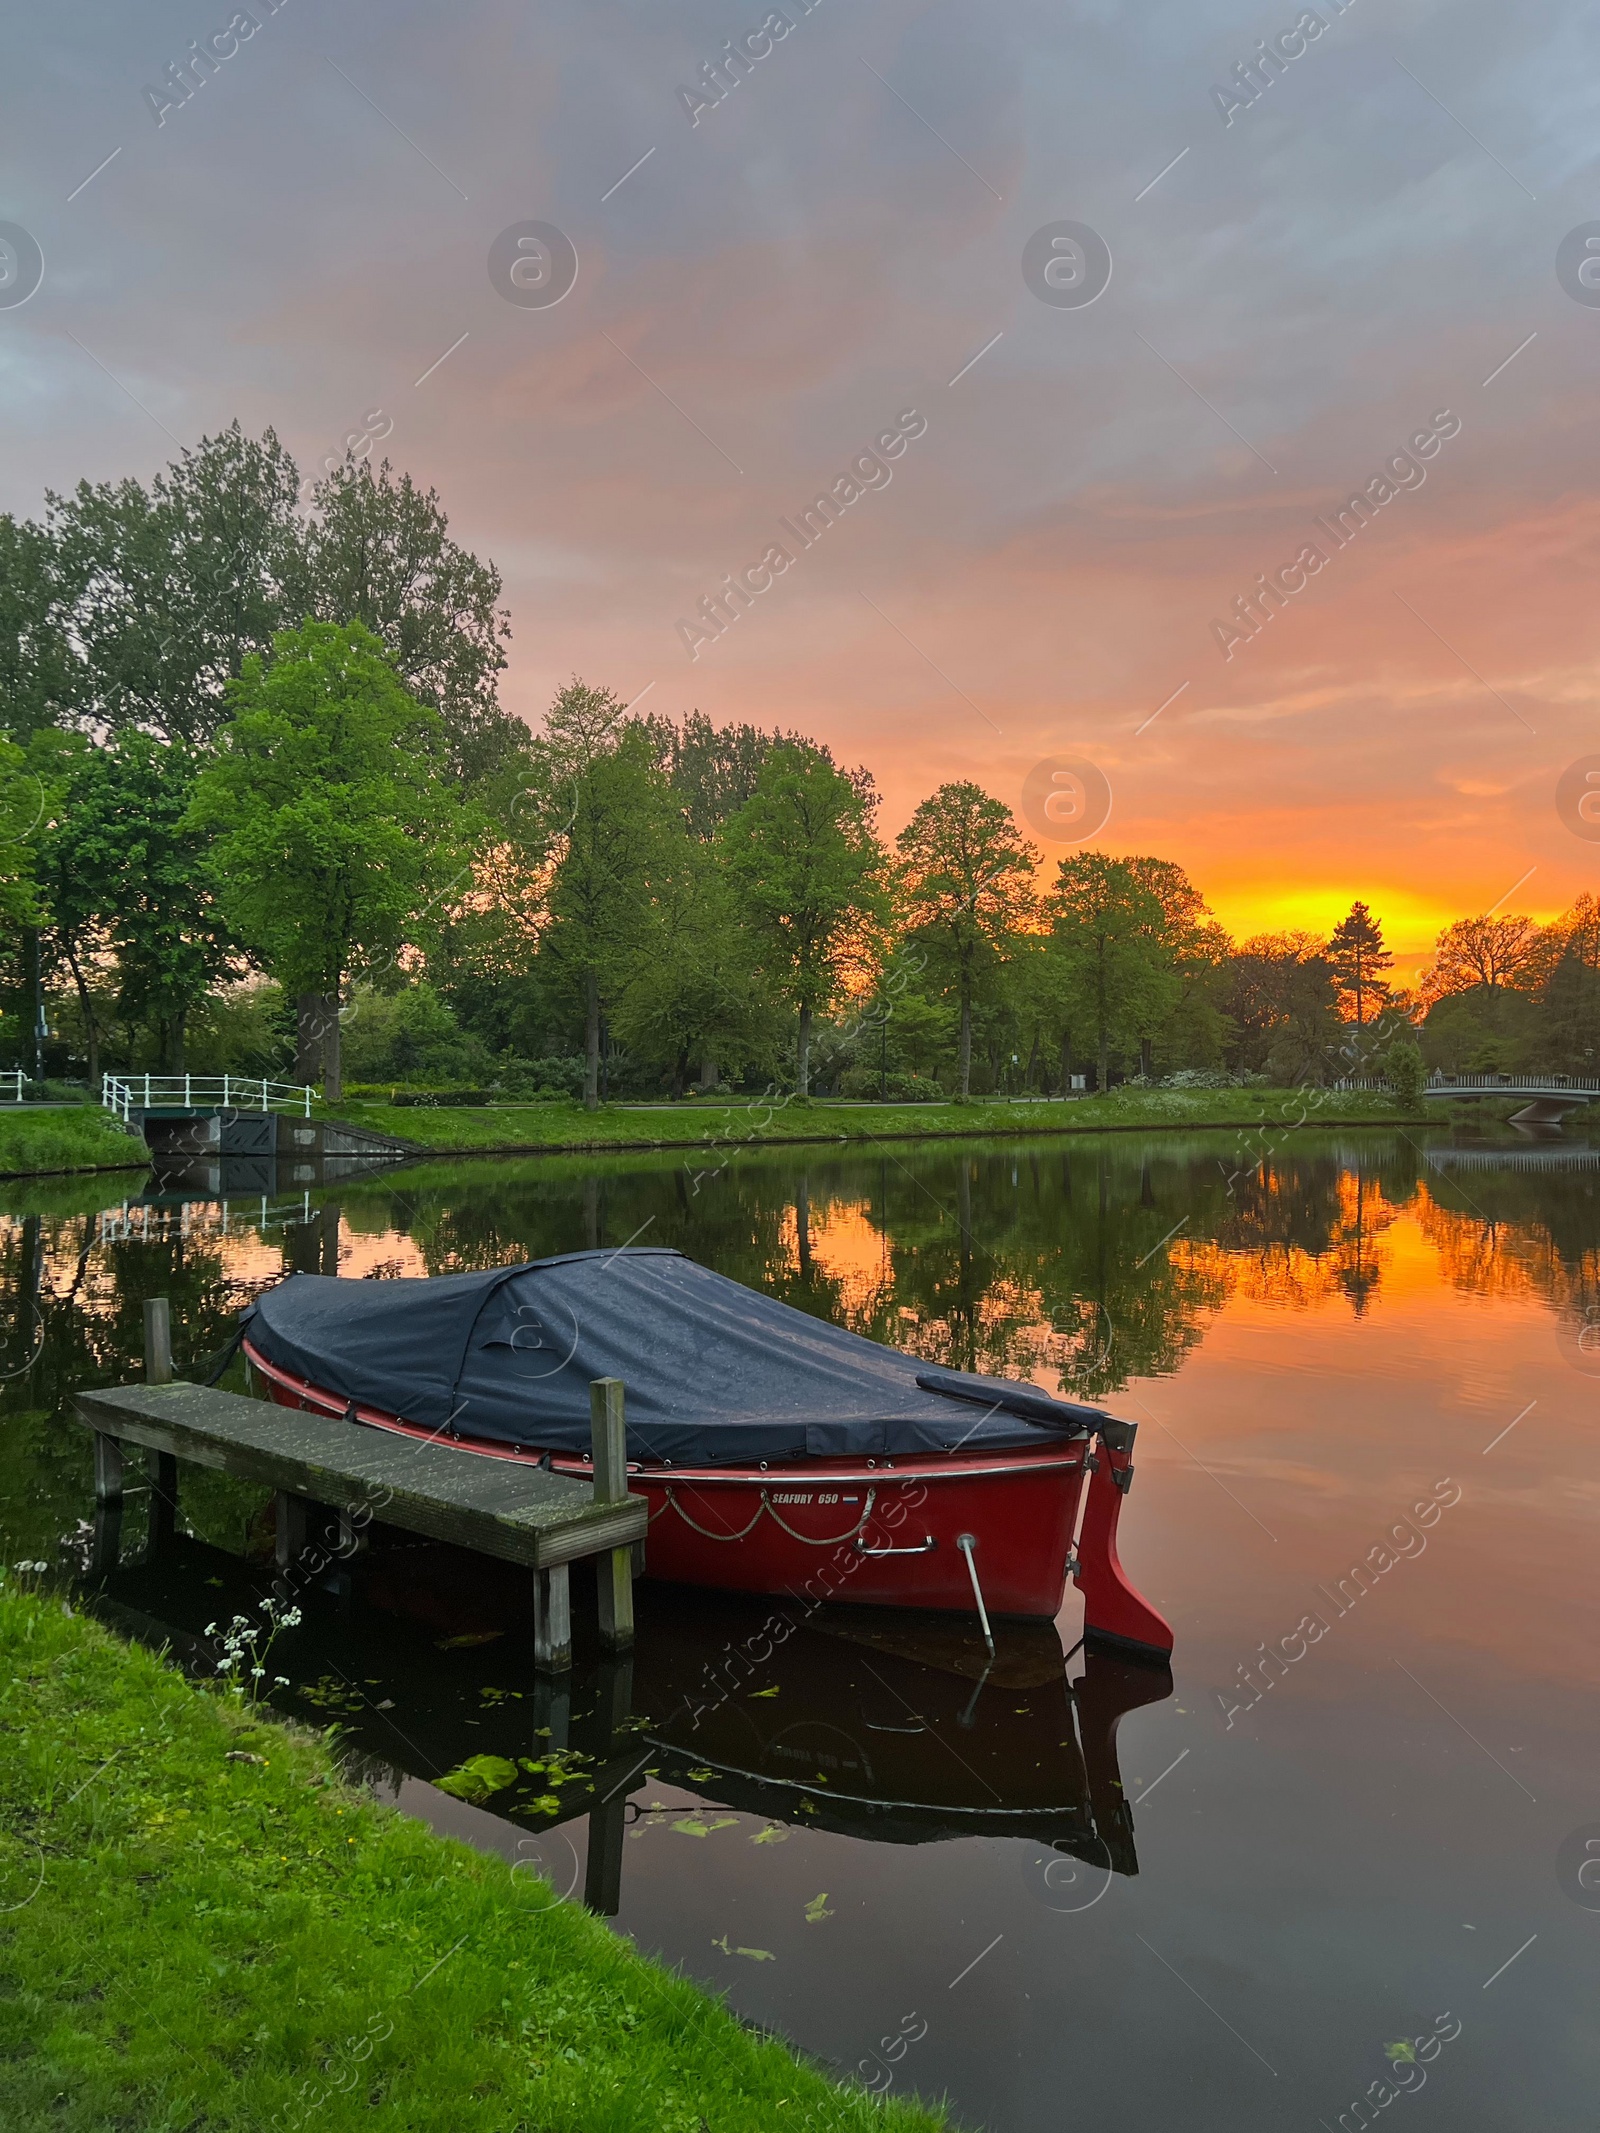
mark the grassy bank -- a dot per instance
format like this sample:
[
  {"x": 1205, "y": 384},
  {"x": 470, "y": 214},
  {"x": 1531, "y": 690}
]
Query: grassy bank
[
  {"x": 35, "y": 1143},
  {"x": 201, "y": 1926},
  {"x": 528, "y": 1128}
]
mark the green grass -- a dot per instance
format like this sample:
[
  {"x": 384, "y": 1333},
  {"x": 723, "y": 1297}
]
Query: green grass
[
  {"x": 34, "y": 1143},
  {"x": 201, "y": 1926},
  {"x": 530, "y": 1127}
]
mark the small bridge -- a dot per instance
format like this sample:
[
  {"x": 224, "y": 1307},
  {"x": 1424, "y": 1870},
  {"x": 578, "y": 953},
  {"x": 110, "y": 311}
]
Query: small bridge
[
  {"x": 184, "y": 1115},
  {"x": 1550, "y": 1096}
]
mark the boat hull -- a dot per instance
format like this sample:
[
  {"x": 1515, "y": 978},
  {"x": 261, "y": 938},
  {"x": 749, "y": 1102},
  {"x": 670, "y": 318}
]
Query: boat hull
[{"x": 928, "y": 1532}]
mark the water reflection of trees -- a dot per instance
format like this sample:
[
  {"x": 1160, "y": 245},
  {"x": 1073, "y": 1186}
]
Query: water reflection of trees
[{"x": 1082, "y": 1264}]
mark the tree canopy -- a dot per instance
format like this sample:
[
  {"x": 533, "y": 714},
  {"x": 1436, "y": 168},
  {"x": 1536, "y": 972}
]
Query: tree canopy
[{"x": 329, "y": 819}]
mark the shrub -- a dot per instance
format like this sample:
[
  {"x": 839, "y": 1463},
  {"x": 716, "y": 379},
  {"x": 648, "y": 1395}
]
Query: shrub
[
  {"x": 1406, "y": 1073},
  {"x": 864, "y": 1081}
]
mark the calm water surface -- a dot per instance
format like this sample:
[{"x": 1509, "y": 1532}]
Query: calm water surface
[{"x": 1054, "y": 1890}]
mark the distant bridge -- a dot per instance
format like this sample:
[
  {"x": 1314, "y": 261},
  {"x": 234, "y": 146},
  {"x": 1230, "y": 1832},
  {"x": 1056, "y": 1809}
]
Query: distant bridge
[{"x": 1551, "y": 1096}]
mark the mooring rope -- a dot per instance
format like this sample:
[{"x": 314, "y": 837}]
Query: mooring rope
[{"x": 833, "y": 1540}]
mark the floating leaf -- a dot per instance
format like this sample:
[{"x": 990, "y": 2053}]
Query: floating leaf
[
  {"x": 702, "y": 1777},
  {"x": 478, "y": 1777},
  {"x": 765, "y": 1692},
  {"x": 757, "y": 1955},
  {"x": 726, "y": 1822},
  {"x": 691, "y": 1826},
  {"x": 817, "y": 1909},
  {"x": 466, "y": 1639},
  {"x": 548, "y": 1803},
  {"x": 774, "y": 1833},
  {"x": 1401, "y": 2049}
]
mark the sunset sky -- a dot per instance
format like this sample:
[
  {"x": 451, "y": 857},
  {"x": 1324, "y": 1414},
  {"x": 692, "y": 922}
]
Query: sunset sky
[{"x": 1311, "y": 283}]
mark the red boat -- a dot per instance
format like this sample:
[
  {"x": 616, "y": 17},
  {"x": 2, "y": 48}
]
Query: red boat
[{"x": 778, "y": 1454}]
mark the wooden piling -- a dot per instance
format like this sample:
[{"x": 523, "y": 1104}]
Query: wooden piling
[
  {"x": 608, "y": 1432},
  {"x": 552, "y": 1620},
  {"x": 157, "y": 1341}
]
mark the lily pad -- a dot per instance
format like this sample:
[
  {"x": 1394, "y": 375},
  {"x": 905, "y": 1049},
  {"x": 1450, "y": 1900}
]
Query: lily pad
[{"x": 478, "y": 1778}]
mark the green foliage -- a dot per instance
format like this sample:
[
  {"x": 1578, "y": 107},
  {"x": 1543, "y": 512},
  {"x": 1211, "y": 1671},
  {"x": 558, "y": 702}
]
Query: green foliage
[
  {"x": 166, "y": 591},
  {"x": 965, "y": 883},
  {"x": 1111, "y": 951},
  {"x": 378, "y": 552},
  {"x": 1406, "y": 1072},
  {"x": 808, "y": 870},
  {"x": 622, "y": 847},
  {"x": 125, "y": 859},
  {"x": 329, "y": 820},
  {"x": 1282, "y": 1001},
  {"x": 409, "y": 1035}
]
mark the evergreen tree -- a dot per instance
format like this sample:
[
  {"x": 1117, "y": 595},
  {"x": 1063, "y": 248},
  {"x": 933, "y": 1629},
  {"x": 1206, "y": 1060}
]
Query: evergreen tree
[{"x": 1359, "y": 959}]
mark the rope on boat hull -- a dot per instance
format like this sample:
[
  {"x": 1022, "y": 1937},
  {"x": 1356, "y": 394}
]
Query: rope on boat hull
[{"x": 834, "y": 1540}]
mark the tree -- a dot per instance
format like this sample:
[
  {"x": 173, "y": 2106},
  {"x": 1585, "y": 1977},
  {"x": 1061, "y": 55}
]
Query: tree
[
  {"x": 39, "y": 677},
  {"x": 1108, "y": 941},
  {"x": 695, "y": 997},
  {"x": 1487, "y": 951},
  {"x": 1187, "y": 1014},
  {"x": 379, "y": 552},
  {"x": 966, "y": 883},
  {"x": 331, "y": 819},
  {"x": 1408, "y": 1076},
  {"x": 1282, "y": 1001},
  {"x": 714, "y": 769},
  {"x": 608, "y": 811},
  {"x": 124, "y": 869},
  {"x": 1359, "y": 959},
  {"x": 1565, "y": 968},
  {"x": 168, "y": 591},
  {"x": 807, "y": 870}
]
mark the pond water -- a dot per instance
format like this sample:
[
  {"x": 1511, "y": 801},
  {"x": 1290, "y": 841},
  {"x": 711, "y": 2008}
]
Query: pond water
[{"x": 1051, "y": 1889}]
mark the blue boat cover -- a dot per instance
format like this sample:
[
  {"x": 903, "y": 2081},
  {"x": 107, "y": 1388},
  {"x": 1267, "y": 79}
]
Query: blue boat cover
[{"x": 716, "y": 1374}]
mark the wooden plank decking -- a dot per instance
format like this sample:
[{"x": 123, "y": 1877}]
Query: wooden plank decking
[{"x": 498, "y": 1507}]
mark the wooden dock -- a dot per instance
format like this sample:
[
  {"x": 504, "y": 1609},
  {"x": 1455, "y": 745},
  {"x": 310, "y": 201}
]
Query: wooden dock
[{"x": 510, "y": 1509}]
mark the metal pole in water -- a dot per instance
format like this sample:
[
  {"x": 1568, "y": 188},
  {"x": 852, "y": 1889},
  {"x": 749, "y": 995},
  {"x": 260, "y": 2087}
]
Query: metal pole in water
[{"x": 966, "y": 1543}]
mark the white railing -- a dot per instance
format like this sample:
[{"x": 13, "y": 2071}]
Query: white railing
[
  {"x": 123, "y": 1094},
  {"x": 12, "y": 1086},
  {"x": 1586, "y": 1085},
  {"x": 1442, "y": 1084},
  {"x": 140, "y": 1223}
]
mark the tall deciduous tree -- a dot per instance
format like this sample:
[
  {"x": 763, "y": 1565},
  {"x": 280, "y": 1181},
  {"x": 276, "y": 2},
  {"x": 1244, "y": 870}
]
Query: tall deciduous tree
[
  {"x": 1108, "y": 939},
  {"x": 1490, "y": 951},
  {"x": 808, "y": 873},
  {"x": 380, "y": 553},
  {"x": 1359, "y": 959},
  {"x": 124, "y": 868},
  {"x": 40, "y": 678},
  {"x": 331, "y": 817},
  {"x": 615, "y": 847},
  {"x": 1566, "y": 969},
  {"x": 1282, "y": 1000},
  {"x": 966, "y": 884},
  {"x": 169, "y": 590}
]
